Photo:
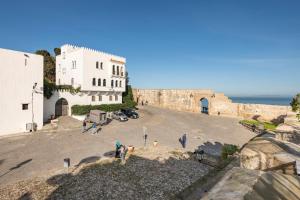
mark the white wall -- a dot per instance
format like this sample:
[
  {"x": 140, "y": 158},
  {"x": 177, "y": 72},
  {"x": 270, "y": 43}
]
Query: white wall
[
  {"x": 16, "y": 82},
  {"x": 82, "y": 98},
  {"x": 86, "y": 69},
  {"x": 65, "y": 70}
]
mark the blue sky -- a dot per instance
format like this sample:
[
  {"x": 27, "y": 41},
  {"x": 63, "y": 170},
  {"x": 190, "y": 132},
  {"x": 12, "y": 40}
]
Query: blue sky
[{"x": 236, "y": 47}]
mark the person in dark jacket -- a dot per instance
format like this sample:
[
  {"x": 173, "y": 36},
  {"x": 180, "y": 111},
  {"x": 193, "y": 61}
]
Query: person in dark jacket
[
  {"x": 183, "y": 140},
  {"x": 83, "y": 126}
]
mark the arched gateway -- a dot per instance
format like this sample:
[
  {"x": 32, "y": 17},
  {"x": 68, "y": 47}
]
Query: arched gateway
[
  {"x": 61, "y": 107},
  {"x": 204, "y": 105}
]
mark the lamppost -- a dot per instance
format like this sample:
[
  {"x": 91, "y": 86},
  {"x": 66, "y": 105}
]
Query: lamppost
[{"x": 32, "y": 120}]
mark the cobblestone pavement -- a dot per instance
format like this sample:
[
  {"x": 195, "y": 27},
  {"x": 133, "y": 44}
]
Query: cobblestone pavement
[{"x": 42, "y": 153}]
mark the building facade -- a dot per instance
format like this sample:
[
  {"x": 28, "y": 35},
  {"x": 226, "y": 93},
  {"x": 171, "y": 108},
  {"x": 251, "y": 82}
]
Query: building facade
[
  {"x": 21, "y": 87},
  {"x": 100, "y": 76}
]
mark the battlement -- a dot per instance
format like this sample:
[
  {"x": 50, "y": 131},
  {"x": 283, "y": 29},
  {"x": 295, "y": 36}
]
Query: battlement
[{"x": 68, "y": 48}]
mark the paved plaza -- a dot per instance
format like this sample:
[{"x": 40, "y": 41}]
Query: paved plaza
[{"x": 42, "y": 153}]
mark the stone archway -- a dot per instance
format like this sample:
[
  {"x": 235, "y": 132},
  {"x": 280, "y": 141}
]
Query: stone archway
[
  {"x": 204, "y": 105},
  {"x": 61, "y": 107}
]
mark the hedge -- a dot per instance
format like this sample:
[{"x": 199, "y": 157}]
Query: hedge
[{"x": 85, "y": 109}]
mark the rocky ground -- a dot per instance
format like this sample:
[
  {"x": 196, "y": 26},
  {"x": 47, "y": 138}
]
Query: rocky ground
[{"x": 153, "y": 173}]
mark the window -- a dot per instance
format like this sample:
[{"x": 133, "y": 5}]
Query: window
[
  {"x": 114, "y": 70},
  {"x": 122, "y": 71},
  {"x": 116, "y": 83},
  {"x": 93, "y": 98},
  {"x": 110, "y": 98},
  {"x": 94, "y": 81},
  {"x": 25, "y": 106},
  {"x": 101, "y": 65},
  {"x": 72, "y": 81},
  {"x": 118, "y": 70},
  {"x": 120, "y": 85},
  {"x": 97, "y": 65},
  {"x": 104, "y": 82},
  {"x": 25, "y": 61},
  {"x": 99, "y": 81},
  {"x": 100, "y": 97},
  {"x": 116, "y": 97},
  {"x": 73, "y": 64},
  {"x": 112, "y": 83}
]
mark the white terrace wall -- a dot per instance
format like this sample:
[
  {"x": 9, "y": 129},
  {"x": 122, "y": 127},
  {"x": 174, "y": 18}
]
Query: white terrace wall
[
  {"x": 219, "y": 104},
  {"x": 81, "y": 98}
]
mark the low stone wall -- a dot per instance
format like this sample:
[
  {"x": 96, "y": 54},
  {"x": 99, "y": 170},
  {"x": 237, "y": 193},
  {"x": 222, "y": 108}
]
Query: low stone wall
[{"x": 218, "y": 103}]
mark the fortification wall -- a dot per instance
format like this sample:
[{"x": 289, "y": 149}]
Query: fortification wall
[{"x": 218, "y": 103}]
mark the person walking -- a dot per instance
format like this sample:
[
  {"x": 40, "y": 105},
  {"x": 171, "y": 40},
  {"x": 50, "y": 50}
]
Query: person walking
[
  {"x": 83, "y": 126},
  {"x": 94, "y": 128},
  {"x": 183, "y": 140}
]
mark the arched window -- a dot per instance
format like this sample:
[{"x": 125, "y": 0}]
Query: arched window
[
  {"x": 97, "y": 65},
  {"x": 99, "y": 81},
  {"x": 118, "y": 70},
  {"x": 94, "y": 81},
  {"x": 112, "y": 83},
  {"x": 104, "y": 82},
  {"x": 116, "y": 83},
  {"x": 120, "y": 85}
]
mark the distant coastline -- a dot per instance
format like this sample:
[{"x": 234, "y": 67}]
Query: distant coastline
[{"x": 284, "y": 101}]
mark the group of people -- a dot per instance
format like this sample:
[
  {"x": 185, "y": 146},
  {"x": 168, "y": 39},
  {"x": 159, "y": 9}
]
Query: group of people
[
  {"x": 121, "y": 151},
  {"x": 93, "y": 128}
]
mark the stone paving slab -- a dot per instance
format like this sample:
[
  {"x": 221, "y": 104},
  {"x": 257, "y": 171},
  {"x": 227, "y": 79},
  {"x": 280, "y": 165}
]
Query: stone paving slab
[{"x": 41, "y": 154}]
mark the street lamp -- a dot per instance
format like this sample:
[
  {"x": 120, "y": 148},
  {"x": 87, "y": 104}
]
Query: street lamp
[{"x": 32, "y": 120}]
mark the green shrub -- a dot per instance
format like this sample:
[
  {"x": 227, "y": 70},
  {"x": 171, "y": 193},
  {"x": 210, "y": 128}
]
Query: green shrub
[
  {"x": 49, "y": 87},
  {"x": 266, "y": 125},
  {"x": 228, "y": 149},
  {"x": 85, "y": 109}
]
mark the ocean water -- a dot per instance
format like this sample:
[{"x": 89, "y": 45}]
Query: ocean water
[{"x": 285, "y": 101}]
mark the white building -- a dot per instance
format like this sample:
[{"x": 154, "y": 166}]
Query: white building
[
  {"x": 21, "y": 86},
  {"x": 100, "y": 76}
]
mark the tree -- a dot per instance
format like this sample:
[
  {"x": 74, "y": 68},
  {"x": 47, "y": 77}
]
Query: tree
[
  {"x": 296, "y": 105},
  {"x": 49, "y": 65},
  {"x": 127, "y": 95},
  {"x": 127, "y": 78},
  {"x": 57, "y": 51}
]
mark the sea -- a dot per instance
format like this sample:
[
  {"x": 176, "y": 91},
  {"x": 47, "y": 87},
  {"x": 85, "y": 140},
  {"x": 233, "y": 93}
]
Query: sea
[{"x": 284, "y": 101}]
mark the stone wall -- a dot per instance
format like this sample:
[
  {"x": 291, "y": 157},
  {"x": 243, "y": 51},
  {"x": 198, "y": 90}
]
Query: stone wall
[{"x": 218, "y": 103}]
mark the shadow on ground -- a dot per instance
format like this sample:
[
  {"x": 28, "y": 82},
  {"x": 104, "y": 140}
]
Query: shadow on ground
[
  {"x": 15, "y": 167},
  {"x": 141, "y": 177}
]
